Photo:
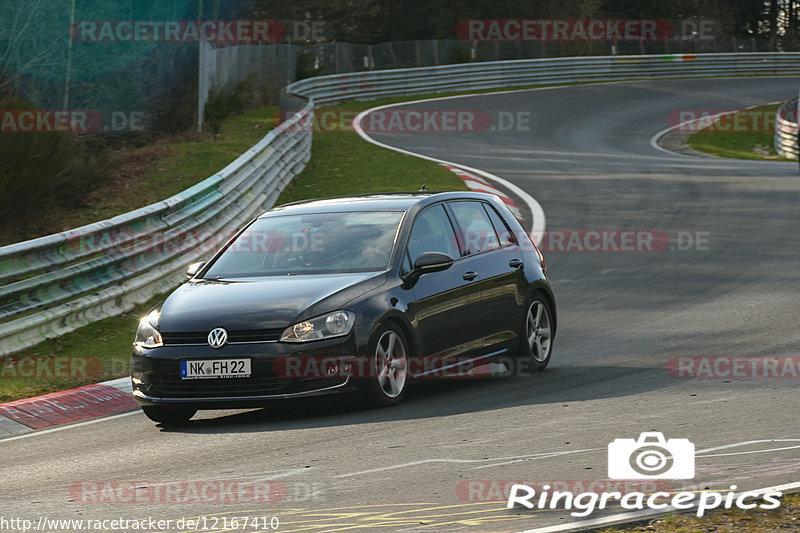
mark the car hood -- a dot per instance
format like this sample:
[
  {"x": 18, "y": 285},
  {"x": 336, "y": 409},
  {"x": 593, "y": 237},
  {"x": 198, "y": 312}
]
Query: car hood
[{"x": 259, "y": 303}]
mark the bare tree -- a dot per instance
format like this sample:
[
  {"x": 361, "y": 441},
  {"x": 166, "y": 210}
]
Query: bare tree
[{"x": 29, "y": 42}]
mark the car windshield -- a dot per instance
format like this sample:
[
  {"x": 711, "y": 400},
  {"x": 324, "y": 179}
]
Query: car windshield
[{"x": 319, "y": 243}]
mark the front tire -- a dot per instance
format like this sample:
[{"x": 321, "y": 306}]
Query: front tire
[
  {"x": 168, "y": 417},
  {"x": 536, "y": 337},
  {"x": 389, "y": 378}
]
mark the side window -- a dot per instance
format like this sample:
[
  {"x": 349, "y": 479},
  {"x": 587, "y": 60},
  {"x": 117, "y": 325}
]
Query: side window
[
  {"x": 479, "y": 235},
  {"x": 432, "y": 232},
  {"x": 406, "y": 268},
  {"x": 503, "y": 233}
]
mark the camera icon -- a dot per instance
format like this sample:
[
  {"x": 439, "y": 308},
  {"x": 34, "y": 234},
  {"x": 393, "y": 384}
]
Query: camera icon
[{"x": 651, "y": 457}]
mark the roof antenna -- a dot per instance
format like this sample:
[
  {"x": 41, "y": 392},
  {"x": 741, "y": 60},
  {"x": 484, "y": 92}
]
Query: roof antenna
[{"x": 423, "y": 188}]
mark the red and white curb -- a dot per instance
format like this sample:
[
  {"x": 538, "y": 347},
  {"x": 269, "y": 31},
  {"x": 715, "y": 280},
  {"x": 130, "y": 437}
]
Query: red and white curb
[
  {"x": 475, "y": 179},
  {"x": 64, "y": 407},
  {"x": 478, "y": 184},
  {"x": 654, "y": 140},
  {"x": 110, "y": 397}
]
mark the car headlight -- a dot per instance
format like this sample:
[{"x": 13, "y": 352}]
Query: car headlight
[
  {"x": 334, "y": 324},
  {"x": 147, "y": 336}
]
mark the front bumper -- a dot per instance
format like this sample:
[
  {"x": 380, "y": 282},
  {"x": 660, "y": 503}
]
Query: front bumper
[{"x": 156, "y": 380}]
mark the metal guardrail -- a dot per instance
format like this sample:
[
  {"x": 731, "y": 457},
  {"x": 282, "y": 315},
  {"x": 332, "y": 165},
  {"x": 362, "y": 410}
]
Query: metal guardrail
[
  {"x": 786, "y": 130},
  {"x": 492, "y": 75},
  {"x": 55, "y": 284}
]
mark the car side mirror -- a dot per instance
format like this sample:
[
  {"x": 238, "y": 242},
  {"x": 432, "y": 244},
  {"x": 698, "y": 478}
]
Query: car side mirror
[
  {"x": 194, "y": 268},
  {"x": 432, "y": 262}
]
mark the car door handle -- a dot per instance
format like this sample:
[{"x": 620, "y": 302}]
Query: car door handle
[
  {"x": 515, "y": 263},
  {"x": 469, "y": 276}
]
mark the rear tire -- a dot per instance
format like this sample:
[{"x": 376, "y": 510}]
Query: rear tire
[
  {"x": 167, "y": 416},
  {"x": 536, "y": 337},
  {"x": 388, "y": 379}
]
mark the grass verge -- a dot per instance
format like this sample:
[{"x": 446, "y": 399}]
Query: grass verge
[
  {"x": 785, "y": 518},
  {"x": 97, "y": 352},
  {"x": 746, "y": 134},
  {"x": 140, "y": 176},
  {"x": 341, "y": 163}
]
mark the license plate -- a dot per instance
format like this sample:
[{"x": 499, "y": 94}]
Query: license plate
[{"x": 215, "y": 369}]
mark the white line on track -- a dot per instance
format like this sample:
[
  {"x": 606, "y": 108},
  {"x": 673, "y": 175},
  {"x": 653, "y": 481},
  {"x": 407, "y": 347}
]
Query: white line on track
[
  {"x": 538, "y": 223},
  {"x": 499, "y": 461},
  {"x": 710, "y": 118},
  {"x": 747, "y": 443},
  {"x": 514, "y": 458},
  {"x": 654, "y": 139},
  {"x": 70, "y": 426}
]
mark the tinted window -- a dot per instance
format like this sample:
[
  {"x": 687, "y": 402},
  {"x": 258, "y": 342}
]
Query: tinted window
[
  {"x": 405, "y": 267},
  {"x": 503, "y": 233},
  {"x": 316, "y": 243},
  {"x": 479, "y": 235},
  {"x": 432, "y": 232}
]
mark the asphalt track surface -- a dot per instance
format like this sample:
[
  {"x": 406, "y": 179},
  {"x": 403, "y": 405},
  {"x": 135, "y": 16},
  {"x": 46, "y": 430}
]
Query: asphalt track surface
[{"x": 587, "y": 159}]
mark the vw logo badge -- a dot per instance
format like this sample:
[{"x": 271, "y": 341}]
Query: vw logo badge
[{"x": 218, "y": 337}]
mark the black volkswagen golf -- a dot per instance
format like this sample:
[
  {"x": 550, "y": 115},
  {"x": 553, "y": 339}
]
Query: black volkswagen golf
[{"x": 355, "y": 293}]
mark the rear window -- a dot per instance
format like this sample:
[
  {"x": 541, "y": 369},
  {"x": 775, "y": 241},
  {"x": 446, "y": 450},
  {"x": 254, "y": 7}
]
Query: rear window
[
  {"x": 503, "y": 233},
  {"x": 477, "y": 230}
]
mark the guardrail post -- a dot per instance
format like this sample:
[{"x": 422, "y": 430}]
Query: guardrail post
[{"x": 51, "y": 285}]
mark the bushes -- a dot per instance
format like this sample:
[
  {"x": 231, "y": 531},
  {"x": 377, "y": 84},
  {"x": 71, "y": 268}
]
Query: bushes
[
  {"x": 41, "y": 169},
  {"x": 305, "y": 67},
  {"x": 245, "y": 96}
]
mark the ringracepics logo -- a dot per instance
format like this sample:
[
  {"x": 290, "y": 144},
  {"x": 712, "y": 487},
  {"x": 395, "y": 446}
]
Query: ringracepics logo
[{"x": 650, "y": 457}]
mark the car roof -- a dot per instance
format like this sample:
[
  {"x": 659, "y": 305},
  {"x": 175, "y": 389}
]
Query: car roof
[{"x": 398, "y": 201}]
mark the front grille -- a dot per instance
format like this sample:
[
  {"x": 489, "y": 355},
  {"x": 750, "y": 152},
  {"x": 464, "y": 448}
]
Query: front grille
[
  {"x": 199, "y": 388},
  {"x": 164, "y": 381},
  {"x": 201, "y": 337}
]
